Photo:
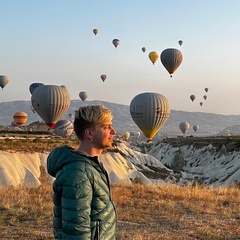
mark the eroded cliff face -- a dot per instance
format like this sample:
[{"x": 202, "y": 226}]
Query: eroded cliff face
[{"x": 126, "y": 163}]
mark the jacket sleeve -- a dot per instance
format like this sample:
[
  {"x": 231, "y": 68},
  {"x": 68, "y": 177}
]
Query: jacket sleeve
[{"x": 76, "y": 201}]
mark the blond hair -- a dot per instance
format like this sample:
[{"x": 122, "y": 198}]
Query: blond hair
[{"x": 89, "y": 116}]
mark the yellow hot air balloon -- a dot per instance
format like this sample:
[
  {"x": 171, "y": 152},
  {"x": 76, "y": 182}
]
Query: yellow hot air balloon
[
  {"x": 63, "y": 128},
  {"x": 3, "y": 81},
  {"x": 20, "y": 118},
  {"x": 153, "y": 56},
  {"x": 184, "y": 126},
  {"x": 171, "y": 59},
  {"x": 150, "y": 112},
  {"x": 50, "y": 102},
  {"x": 126, "y": 136},
  {"x": 95, "y": 31}
]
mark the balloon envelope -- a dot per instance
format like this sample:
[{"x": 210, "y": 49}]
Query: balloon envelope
[
  {"x": 171, "y": 59},
  {"x": 126, "y": 136},
  {"x": 195, "y": 128},
  {"x": 149, "y": 111},
  {"x": 205, "y": 97},
  {"x": 95, "y": 31},
  {"x": 20, "y": 118},
  {"x": 83, "y": 95},
  {"x": 143, "y": 49},
  {"x": 201, "y": 103},
  {"x": 50, "y": 102},
  {"x": 184, "y": 126},
  {"x": 153, "y": 56},
  {"x": 3, "y": 81},
  {"x": 192, "y": 97},
  {"x": 103, "y": 77},
  {"x": 206, "y": 89},
  {"x": 33, "y": 86},
  {"x": 63, "y": 128},
  {"x": 180, "y": 42},
  {"x": 116, "y": 42}
]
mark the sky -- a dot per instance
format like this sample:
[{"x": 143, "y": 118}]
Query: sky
[{"x": 52, "y": 42}]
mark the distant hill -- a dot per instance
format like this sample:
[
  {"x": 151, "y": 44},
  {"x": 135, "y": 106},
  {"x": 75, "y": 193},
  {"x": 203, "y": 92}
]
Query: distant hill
[{"x": 209, "y": 123}]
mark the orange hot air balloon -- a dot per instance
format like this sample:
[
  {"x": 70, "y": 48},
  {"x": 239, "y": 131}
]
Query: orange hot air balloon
[
  {"x": 153, "y": 56},
  {"x": 20, "y": 118}
]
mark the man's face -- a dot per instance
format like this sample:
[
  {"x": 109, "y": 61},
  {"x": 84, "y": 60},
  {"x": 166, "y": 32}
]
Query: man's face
[{"x": 103, "y": 135}]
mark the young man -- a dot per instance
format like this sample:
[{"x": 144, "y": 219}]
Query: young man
[{"x": 83, "y": 207}]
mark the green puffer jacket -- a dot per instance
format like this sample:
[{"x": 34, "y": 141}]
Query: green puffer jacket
[{"x": 83, "y": 208}]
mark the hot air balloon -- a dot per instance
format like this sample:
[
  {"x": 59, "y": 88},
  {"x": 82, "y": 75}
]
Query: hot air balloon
[
  {"x": 153, "y": 56},
  {"x": 205, "y": 97},
  {"x": 3, "y": 81},
  {"x": 180, "y": 42},
  {"x": 20, "y": 118},
  {"x": 116, "y": 42},
  {"x": 195, "y": 128},
  {"x": 71, "y": 117},
  {"x": 33, "y": 86},
  {"x": 83, "y": 95},
  {"x": 95, "y": 31},
  {"x": 206, "y": 89},
  {"x": 103, "y": 77},
  {"x": 137, "y": 134},
  {"x": 149, "y": 111},
  {"x": 63, "y": 128},
  {"x": 126, "y": 136},
  {"x": 50, "y": 102},
  {"x": 171, "y": 59},
  {"x": 184, "y": 126},
  {"x": 201, "y": 103},
  {"x": 192, "y": 97},
  {"x": 143, "y": 49}
]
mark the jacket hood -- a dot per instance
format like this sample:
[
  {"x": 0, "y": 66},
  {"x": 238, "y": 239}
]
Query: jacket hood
[{"x": 59, "y": 157}]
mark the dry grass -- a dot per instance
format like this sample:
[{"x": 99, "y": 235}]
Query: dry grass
[{"x": 144, "y": 212}]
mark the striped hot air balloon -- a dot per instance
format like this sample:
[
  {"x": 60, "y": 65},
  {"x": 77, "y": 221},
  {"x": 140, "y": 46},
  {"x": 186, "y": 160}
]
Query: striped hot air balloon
[
  {"x": 50, "y": 102},
  {"x": 20, "y": 118},
  {"x": 63, "y": 128},
  {"x": 171, "y": 59},
  {"x": 150, "y": 111}
]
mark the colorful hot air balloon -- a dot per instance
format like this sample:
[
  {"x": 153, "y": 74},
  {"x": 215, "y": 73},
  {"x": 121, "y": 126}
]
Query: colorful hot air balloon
[
  {"x": 115, "y": 42},
  {"x": 153, "y": 56},
  {"x": 143, "y": 49},
  {"x": 206, "y": 89},
  {"x": 3, "y": 81},
  {"x": 180, "y": 42},
  {"x": 83, "y": 95},
  {"x": 192, "y": 97},
  {"x": 205, "y": 97},
  {"x": 171, "y": 59},
  {"x": 184, "y": 126},
  {"x": 20, "y": 118},
  {"x": 33, "y": 86},
  {"x": 95, "y": 31},
  {"x": 195, "y": 128},
  {"x": 103, "y": 77},
  {"x": 50, "y": 102},
  {"x": 149, "y": 111},
  {"x": 63, "y": 128}
]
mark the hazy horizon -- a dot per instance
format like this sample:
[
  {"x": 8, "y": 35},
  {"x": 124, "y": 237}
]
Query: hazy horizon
[{"x": 52, "y": 42}]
